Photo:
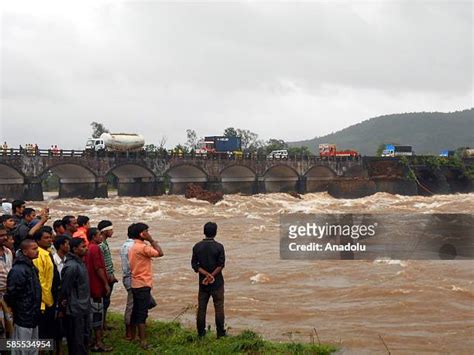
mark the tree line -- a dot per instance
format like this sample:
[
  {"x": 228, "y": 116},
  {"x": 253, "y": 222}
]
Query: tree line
[{"x": 251, "y": 143}]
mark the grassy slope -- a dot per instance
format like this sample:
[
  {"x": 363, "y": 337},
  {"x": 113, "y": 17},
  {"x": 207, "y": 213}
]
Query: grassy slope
[{"x": 171, "y": 338}]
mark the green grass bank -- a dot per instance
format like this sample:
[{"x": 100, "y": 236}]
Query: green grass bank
[{"x": 172, "y": 338}]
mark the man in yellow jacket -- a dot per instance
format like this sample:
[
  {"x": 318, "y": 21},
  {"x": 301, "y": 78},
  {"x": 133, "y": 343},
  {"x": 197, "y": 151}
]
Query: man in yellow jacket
[{"x": 49, "y": 281}]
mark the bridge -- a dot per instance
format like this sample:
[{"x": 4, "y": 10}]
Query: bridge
[{"x": 85, "y": 175}]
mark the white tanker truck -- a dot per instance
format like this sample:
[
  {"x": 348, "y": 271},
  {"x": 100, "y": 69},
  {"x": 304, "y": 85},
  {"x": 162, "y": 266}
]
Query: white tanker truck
[{"x": 116, "y": 142}]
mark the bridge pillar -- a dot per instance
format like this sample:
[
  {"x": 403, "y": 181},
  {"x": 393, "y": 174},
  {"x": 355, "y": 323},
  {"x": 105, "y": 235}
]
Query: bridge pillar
[
  {"x": 214, "y": 184},
  {"x": 301, "y": 185},
  {"x": 140, "y": 187},
  {"x": 160, "y": 186},
  {"x": 101, "y": 189},
  {"x": 259, "y": 186},
  {"x": 32, "y": 189}
]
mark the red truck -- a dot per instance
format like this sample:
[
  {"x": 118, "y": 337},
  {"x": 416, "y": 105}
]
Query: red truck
[{"x": 329, "y": 150}]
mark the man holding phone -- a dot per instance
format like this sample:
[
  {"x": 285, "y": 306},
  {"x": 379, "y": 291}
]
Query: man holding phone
[{"x": 140, "y": 255}]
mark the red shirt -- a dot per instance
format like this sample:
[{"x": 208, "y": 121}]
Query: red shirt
[{"x": 94, "y": 260}]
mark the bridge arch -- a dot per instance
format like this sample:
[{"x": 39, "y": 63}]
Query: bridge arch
[
  {"x": 238, "y": 179},
  {"x": 181, "y": 175},
  {"x": 281, "y": 178},
  {"x": 11, "y": 182},
  {"x": 75, "y": 180},
  {"x": 131, "y": 171},
  {"x": 318, "y": 178},
  {"x": 135, "y": 180},
  {"x": 239, "y": 172},
  {"x": 71, "y": 172}
]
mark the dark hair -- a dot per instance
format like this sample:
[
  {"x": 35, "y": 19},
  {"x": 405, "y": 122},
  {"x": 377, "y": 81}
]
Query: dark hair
[
  {"x": 66, "y": 220},
  {"x": 26, "y": 243},
  {"x": 16, "y": 204},
  {"x": 28, "y": 211},
  {"x": 60, "y": 241},
  {"x": 2, "y": 227},
  {"x": 75, "y": 242},
  {"x": 82, "y": 220},
  {"x": 104, "y": 224},
  {"x": 39, "y": 233},
  {"x": 57, "y": 223},
  {"x": 210, "y": 229},
  {"x": 130, "y": 230},
  {"x": 5, "y": 217},
  {"x": 137, "y": 229},
  {"x": 91, "y": 233},
  {"x": 47, "y": 229}
]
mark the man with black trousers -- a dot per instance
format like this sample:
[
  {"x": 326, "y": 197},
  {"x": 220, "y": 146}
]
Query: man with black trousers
[
  {"x": 74, "y": 299},
  {"x": 208, "y": 260}
]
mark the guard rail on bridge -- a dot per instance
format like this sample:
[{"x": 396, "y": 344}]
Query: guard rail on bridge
[{"x": 14, "y": 152}]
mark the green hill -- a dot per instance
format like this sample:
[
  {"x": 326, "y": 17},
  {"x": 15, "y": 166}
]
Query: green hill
[{"x": 427, "y": 132}]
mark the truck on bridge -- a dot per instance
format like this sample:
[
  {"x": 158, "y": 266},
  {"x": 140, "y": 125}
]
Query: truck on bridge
[
  {"x": 219, "y": 145},
  {"x": 330, "y": 151},
  {"x": 116, "y": 142},
  {"x": 392, "y": 150},
  {"x": 447, "y": 153}
]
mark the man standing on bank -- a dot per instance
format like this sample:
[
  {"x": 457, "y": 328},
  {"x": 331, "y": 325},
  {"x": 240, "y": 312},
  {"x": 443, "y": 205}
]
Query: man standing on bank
[
  {"x": 140, "y": 255},
  {"x": 208, "y": 260}
]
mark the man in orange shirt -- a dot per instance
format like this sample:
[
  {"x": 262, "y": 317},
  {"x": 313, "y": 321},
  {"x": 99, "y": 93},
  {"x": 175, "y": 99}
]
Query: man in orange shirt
[
  {"x": 84, "y": 226},
  {"x": 140, "y": 255}
]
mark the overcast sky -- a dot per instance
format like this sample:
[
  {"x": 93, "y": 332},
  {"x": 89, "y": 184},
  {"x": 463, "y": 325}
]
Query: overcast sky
[{"x": 283, "y": 70}]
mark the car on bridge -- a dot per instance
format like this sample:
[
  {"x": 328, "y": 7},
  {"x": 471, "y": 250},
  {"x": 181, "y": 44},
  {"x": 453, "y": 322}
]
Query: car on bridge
[{"x": 278, "y": 154}]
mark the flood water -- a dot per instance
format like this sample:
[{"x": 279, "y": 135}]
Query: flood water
[{"x": 415, "y": 306}]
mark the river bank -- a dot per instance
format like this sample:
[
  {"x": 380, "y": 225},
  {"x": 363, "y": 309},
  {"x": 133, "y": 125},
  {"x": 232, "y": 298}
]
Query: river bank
[{"x": 172, "y": 338}]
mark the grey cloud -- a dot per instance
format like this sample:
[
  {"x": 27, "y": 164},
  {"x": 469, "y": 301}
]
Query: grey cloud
[{"x": 160, "y": 68}]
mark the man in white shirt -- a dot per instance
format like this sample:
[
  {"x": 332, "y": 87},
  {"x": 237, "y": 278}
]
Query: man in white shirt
[{"x": 61, "y": 245}]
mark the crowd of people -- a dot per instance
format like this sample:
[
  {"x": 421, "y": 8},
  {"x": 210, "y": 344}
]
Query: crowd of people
[
  {"x": 56, "y": 281},
  {"x": 30, "y": 149}
]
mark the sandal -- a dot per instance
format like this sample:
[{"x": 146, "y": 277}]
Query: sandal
[{"x": 99, "y": 349}]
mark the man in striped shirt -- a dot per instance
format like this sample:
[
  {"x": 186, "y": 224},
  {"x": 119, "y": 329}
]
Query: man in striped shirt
[{"x": 107, "y": 230}]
